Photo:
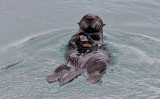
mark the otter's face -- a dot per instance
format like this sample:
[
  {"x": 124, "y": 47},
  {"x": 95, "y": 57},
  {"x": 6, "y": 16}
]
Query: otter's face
[{"x": 91, "y": 23}]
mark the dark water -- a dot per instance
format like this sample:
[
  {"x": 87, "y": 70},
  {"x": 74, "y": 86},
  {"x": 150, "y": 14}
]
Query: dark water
[{"x": 33, "y": 38}]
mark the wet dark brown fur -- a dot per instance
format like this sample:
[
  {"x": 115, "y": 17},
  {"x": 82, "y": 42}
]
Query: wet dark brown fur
[
  {"x": 91, "y": 60},
  {"x": 91, "y": 24}
]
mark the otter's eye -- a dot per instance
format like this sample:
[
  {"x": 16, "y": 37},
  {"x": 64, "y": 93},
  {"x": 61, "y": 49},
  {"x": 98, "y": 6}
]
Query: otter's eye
[
  {"x": 97, "y": 17},
  {"x": 95, "y": 37}
]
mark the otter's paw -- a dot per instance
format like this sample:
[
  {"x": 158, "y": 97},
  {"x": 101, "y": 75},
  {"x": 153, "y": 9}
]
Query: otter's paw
[{"x": 94, "y": 78}]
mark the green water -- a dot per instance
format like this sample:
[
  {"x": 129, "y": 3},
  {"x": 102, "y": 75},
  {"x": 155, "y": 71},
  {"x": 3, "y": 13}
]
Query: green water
[{"x": 34, "y": 35}]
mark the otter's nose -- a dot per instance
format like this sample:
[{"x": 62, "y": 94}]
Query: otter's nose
[{"x": 90, "y": 18}]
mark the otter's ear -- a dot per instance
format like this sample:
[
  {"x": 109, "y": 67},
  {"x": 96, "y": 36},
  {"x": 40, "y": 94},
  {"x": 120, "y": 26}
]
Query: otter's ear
[{"x": 104, "y": 24}]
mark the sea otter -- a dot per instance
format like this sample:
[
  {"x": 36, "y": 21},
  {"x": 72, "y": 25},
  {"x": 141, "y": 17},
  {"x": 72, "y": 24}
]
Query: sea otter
[{"x": 85, "y": 54}]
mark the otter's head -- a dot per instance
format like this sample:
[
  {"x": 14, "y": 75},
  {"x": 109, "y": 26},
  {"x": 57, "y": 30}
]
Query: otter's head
[{"x": 91, "y": 23}]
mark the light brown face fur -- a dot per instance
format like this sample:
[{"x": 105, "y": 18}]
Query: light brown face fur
[{"x": 91, "y": 23}]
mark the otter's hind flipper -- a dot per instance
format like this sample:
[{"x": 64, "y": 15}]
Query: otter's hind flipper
[
  {"x": 94, "y": 78},
  {"x": 58, "y": 74},
  {"x": 94, "y": 69},
  {"x": 69, "y": 77}
]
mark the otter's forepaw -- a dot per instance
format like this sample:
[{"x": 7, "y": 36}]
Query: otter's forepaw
[{"x": 94, "y": 78}]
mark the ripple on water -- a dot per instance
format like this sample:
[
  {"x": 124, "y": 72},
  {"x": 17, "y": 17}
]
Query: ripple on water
[{"x": 130, "y": 74}]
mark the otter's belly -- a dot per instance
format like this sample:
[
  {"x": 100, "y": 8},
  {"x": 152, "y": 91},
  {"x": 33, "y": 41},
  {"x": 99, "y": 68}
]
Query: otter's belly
[{"x": 100, "y": 55}]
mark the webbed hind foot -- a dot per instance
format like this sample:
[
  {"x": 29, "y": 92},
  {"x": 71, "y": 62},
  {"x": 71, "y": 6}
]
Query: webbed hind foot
[
  {"x": 58, "y": 74},
  {"x": 94, "y": 78},
  {"x": 70, "y": 77}
]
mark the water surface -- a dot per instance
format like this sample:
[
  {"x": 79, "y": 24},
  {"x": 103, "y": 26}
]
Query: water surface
[{"x": 34, "y": 35}]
